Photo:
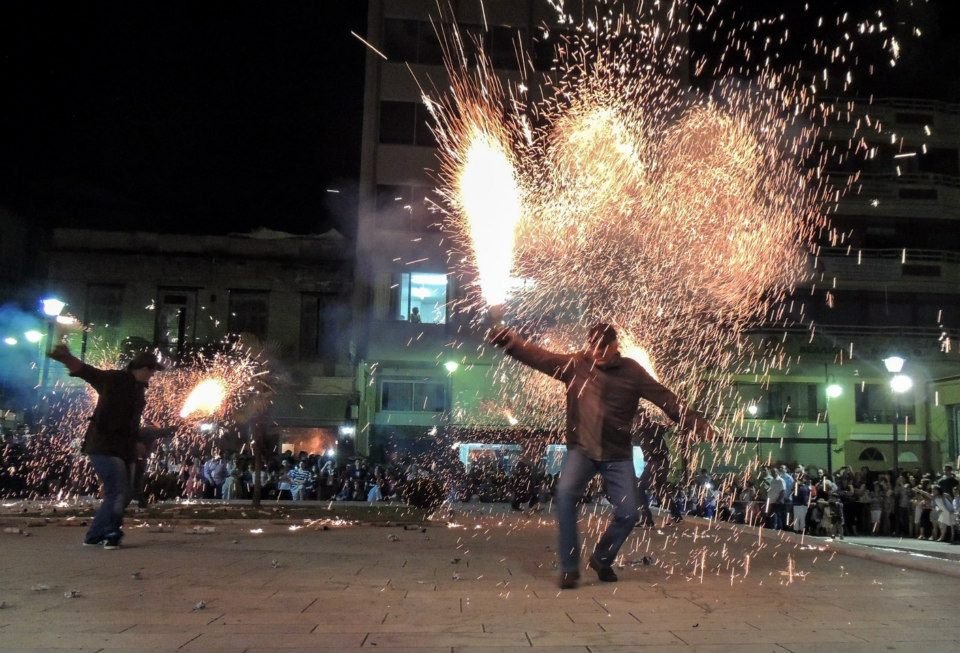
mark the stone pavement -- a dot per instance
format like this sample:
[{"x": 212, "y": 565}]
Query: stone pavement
[{"x": 485, "y": 583}]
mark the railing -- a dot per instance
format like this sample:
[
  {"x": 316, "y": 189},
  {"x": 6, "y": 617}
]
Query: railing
[
  {"x": 907, "y": 178},
  {"x": 903, "y": 255},
  {"x": 859, "y": 330},
  {"x": 913, "y": 104}
]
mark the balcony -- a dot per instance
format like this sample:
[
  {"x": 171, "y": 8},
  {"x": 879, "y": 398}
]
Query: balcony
[
  {"x": 926, "y": 270},
  {"x": 922, "y": 195}
]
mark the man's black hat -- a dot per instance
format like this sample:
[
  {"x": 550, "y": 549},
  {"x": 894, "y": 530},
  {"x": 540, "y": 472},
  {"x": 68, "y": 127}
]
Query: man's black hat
[
  {"x": 601, "y": 334},
  {"x": 145, "y": 359}
]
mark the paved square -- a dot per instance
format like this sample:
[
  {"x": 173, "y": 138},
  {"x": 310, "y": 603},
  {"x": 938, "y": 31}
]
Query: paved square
[{"x": 485, "y": 584}]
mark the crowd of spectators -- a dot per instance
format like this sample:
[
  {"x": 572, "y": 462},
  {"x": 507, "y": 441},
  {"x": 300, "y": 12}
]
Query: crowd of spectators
[
  {"x": 303, "y": 476},
  {"x": 846, "y": 503},
  {"x": 796, "y": 498}
]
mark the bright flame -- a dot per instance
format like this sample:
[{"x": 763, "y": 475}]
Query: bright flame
[
  {"x": 489, "y": 195},
  {"x": 205, "y": 398},
  {"x": 629, "y": 348}
]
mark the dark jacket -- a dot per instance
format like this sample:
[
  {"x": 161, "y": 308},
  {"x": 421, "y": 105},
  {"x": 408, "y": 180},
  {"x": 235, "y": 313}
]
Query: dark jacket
[
  {"x": 115, "y": 423},
  {"x": 602, "y": 401}
]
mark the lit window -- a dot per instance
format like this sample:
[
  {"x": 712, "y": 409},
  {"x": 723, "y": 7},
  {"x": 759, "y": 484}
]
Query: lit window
[{"x": 422, "y": 297}]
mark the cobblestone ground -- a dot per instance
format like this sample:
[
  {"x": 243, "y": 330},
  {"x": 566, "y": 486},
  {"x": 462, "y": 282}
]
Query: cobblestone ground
[{"x": 485, "y": 583}]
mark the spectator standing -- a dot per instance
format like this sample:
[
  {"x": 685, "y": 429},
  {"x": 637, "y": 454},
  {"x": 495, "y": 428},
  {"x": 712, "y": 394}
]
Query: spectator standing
[
  {"x": 299, "y": 479},
  {"x": 775, "y": 499},
  {"x": 948, "y": 481},
  {"x": 214, "y": 474},
  {"x": 801, "y": 502}
]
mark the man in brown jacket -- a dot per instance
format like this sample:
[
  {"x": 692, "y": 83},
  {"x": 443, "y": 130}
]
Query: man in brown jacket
[
  {"x": 603, "y": 394},
  {"x": 111, "y": 438}
]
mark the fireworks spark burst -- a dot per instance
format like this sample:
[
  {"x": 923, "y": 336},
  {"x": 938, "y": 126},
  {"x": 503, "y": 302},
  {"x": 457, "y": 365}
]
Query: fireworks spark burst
[
  {"x": 681, "y": 195},
  {"x": 206, "y": 398}
]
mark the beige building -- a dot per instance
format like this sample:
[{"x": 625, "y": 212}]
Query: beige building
[{"x": 176, "y": 292}]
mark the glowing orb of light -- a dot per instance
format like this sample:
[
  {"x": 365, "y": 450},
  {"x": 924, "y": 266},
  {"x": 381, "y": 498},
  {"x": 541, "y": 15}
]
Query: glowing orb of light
[
  {"x": 33, "y": 336},
  {"x": 901, "y": 383},
  {"x": 205, "y": 398},
  {"x": 489, "y": 196}
]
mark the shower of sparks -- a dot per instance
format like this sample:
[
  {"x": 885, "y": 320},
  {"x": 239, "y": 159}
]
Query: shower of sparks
[
  {"x": 681, "y": 195},
  {"x": 490, "y": 201},
  {"x": 205, "y": 398},
  {"x": 52, "y": 465}
]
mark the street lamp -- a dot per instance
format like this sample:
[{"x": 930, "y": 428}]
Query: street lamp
[
  {"x": 899, "y": 383},
  {"x": 33, "y": 336},
  {"x": 52, "y": 307},
  {"x": 833, "y": 391}
]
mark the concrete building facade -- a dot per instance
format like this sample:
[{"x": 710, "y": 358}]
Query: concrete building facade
[
  {"x": 894, "y": 290},
  {"x": 176, "y": 292}
]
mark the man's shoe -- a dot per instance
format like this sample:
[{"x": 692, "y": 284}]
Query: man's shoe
[
  {"x": 568, "y": 580},
  {"x": 605, "y": 574},
  {"x": 111, "y": 543},
  {"x": 93, "y": 541}
]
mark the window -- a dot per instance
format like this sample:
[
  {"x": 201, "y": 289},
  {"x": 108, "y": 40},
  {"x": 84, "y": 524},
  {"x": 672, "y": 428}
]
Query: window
[
  {"x": 501, "y": 46},
  {"x": 322, "y": 320},
  {"x": 176, "y": 315},
  {"x": 420, "y": 297},
  {"x": 398, "y": 123},
  {"x": 876, "y": 404},
  {"x": 104, "y": 305},
  {"x": 406, "y": 207},
  {"x": 779, "y": 401},
  {"x": 871, "y": 453},
  {"x": 405, "y": 123},
  {"x": 249, "y": 313},
  {"x": 546, "y": 45},
  {"x": 411, "y": 41},
  {"x": 413, "y": 396}
]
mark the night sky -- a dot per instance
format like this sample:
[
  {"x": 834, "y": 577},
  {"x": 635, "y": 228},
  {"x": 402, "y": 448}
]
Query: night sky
[
  {"x": 182, "y": 116},
  {"x": 201, "y": 116}
]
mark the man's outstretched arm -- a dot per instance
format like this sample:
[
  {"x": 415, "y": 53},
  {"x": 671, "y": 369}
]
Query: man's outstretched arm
[
  {"x": 76, "y": 367},
  {"x": 540, "y": 359},
  {"x": 686, "y": 418}
]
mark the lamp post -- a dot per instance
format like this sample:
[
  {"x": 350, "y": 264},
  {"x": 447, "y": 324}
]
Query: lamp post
[
  {"x": 52, "y": 307},
  {"x": 833, "y": 391},
  {"x": 899, "y": 383}
]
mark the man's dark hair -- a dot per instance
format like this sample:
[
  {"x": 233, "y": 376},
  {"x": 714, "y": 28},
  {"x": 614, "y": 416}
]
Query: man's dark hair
[{"x": 601, "y": 334}]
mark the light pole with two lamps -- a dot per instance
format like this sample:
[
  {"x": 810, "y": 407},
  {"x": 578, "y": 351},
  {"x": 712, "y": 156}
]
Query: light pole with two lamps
[
  {"x": 833, "y": 391},
  {"x": 899, "y": 384},
  {"x": 52, "y": 307}
]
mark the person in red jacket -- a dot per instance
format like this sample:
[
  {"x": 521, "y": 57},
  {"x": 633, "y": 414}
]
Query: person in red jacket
[
  {"x": 603, "y": 394},
  {"x": 111, "y": 438}
]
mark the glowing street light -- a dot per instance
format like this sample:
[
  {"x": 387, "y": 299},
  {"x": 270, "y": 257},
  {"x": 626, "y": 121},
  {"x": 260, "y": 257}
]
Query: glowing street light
[
  {"x": 451, "y": 366},
  {"x": 834, "y": 390},
  {"x": 10, "y": 340},
  {"x": 33, "y": 336},
  {"x": 52, "y": 306},
  {"x": 901, "y": 383},
  {"x": 752, "y": 409},
  {"x": 894, "y": 364}
]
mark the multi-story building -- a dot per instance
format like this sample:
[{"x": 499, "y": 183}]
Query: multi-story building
[
  {"x": 891, "y": 289},
  {"x": 289, "y": 293},
  {"x": 895, "y": 289}
]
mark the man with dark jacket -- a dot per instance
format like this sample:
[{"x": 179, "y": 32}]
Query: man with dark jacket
[
  {"x": 111, "y": 438},
  {"x": 603, "y": 394}
]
